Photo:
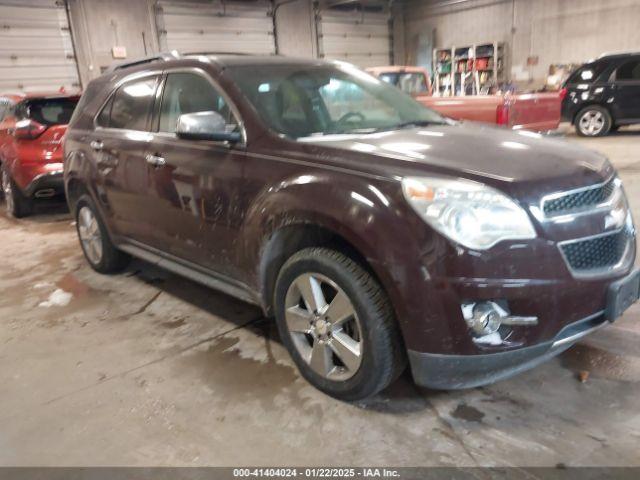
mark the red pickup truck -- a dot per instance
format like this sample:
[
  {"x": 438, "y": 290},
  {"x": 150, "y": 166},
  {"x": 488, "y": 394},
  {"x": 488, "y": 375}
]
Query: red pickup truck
[{"x": 527, "y": 111}]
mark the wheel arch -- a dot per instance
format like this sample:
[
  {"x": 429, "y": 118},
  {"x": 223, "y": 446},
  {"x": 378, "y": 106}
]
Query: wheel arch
[
  {"x": 286, "y": 240},
  {"x": 74, "y": 189},
  {"x": 592, "y": 103}
]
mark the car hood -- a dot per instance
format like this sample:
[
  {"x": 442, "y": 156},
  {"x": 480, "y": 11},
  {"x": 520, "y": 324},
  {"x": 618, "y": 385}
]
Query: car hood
[{"x": 521, "y": 163}]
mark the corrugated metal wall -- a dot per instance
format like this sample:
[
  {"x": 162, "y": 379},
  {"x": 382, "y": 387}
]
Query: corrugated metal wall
[
  {"x": 216, "y": 26},
  {"x": 36, "y": 51},
  {"x": 359, "y": 37}
]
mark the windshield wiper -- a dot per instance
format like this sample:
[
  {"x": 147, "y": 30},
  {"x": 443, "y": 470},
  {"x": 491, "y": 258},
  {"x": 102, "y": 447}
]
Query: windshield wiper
[
  {"x": 418, "y": 123},
  {"x": 413, "y": 124}
]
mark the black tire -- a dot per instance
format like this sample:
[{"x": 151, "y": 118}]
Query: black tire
[
  {"x": 602, "y": 126},
  {"x": 17, "y": 204},
  {"x": 383, "y": 355},
  {"x": 111, "y": 259}
]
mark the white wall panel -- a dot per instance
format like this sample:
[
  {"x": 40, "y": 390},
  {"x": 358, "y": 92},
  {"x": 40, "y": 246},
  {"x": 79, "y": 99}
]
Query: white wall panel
[
  {"x": 361, "y": 38},
  {"x": 36, "y": 51},
  {"x": 555, "y": 31},
  {"x": 216, "y": 27}
]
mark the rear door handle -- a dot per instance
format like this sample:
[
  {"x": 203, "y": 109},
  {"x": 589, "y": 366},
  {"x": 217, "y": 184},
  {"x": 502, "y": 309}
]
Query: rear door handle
[
  {"x": 155, "y": 160},
  {"x": 96, "y": 145}
]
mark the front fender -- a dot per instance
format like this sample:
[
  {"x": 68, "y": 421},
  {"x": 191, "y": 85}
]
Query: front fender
[{"x": 368, "y": 214}]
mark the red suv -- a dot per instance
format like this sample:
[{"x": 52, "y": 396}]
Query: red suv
[{"x": 31, "y": 130}]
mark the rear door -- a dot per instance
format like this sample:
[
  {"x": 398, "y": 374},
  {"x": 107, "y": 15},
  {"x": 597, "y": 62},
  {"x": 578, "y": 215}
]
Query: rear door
[
  {"x": 119, "y": 145},
  {"x": 627, "y": 92},
  {"x": 196, "y": 190}
]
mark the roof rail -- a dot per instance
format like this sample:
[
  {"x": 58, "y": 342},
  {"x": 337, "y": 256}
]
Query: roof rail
[
  {"x": 165, "y": 57},
  {"x": 620, "y": 53},
  {"x": 216, "y": 53}
]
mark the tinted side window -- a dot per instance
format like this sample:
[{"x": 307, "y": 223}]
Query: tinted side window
[
  {"x": 629, "y": 71},
  {"x": 132, "y": 105},
  {"x": 190, "y": 93}
]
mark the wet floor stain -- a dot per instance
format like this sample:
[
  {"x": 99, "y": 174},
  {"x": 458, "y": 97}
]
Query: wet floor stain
[
  {"x": 228, "y": 372},
  {"x": 467, "y": 413},
  {"x": 174, "y": 324},
  {"x": 601, "y": 363},
  {"x": 70, "y": 283}
]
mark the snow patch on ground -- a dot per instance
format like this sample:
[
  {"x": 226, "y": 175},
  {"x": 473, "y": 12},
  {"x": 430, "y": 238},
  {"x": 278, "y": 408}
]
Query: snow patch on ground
[{"x": 59, "y": 298}]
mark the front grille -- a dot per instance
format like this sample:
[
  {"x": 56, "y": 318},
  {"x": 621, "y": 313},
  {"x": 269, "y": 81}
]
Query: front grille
[
  {"x": 579, "y": 200},
  {"x": 599, "y": 252}
]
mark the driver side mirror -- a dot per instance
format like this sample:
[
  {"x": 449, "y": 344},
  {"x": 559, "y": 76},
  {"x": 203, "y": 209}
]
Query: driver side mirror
[{"x": 205, "y": 126}]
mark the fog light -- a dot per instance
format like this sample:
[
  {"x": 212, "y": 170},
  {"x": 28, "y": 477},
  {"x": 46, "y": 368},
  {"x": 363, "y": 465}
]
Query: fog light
[{"x": 485, "y": 318}]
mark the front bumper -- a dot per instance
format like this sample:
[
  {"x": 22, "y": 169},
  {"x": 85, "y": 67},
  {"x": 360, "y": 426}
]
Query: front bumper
[{"x": 451, "y": 372}]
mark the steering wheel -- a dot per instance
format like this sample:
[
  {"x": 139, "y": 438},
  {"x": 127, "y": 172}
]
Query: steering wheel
[{"x": 345, "y": 118}]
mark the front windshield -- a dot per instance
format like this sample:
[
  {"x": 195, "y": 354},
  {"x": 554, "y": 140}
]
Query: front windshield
[
  {"x": 313, "y": 100},
  {"x": 409, "y": 82}
]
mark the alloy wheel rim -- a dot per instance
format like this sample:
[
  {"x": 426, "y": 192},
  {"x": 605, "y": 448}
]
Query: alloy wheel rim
[
  {"x": 592, "y": 122},
  {"x": 90, "y": 236},
  {"x": 324, "y": 326},
  {"x": 8, "y": 191}
]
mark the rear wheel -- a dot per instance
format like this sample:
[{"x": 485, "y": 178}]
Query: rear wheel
[
  {"x": 101, "y": 254},
  {"x": 593, "y": 121},
  {"x": 16, "y": 203},
  {"x": 338, "y": 324}
]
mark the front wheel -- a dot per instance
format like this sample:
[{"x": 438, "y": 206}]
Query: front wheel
[
  {"x": 338, "y": 324},
  {"x": 16, "y": 203},
  {"x": 593, "y": 121}
]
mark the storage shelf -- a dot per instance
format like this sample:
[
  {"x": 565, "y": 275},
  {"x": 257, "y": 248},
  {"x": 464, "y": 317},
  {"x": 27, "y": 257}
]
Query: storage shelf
[{"x": 468, "y": 70}]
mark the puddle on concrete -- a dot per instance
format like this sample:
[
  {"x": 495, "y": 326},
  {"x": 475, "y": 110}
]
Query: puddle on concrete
[
  {"x": 601, "y": 363},
  {"x": 468, "y": 413},
  {"x": 228, "y": 373}
]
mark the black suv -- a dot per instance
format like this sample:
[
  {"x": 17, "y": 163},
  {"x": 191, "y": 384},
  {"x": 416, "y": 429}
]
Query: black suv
[{"x": 603, "y": 95}]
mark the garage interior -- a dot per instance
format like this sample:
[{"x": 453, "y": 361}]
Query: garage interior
[{"x": 146, "y": 368}]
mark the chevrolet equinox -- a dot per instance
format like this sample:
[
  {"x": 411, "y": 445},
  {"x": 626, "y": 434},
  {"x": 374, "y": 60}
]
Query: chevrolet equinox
[{"x": 377, "y": 232}]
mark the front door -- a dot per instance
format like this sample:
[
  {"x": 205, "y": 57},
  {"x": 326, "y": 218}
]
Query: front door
[
  {"x": 627, "y": 92},
  {"x": 196, "y": 185}
]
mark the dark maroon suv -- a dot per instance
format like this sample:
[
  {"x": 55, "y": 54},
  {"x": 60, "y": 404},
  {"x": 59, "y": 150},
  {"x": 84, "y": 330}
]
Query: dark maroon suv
[{"x": 376, "y": 231}]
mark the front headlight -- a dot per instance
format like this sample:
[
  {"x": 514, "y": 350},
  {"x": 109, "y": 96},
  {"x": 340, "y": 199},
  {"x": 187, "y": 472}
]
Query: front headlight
[{"x": 469, "y": 213}]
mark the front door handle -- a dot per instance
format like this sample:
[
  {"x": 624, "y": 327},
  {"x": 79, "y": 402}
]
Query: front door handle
[
  {"x": 156, "y": 161},
  {"x": 96, "y": 145}
]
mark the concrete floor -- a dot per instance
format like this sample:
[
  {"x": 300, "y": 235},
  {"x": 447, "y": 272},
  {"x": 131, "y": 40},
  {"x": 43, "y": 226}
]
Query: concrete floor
[{"x": 146, "y": 368}]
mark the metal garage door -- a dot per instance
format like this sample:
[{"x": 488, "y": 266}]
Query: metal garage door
[
  {"x": 362, "y": 38},
  {"x": 36, "y": 52},
  {"x": 216, "y": 26}
]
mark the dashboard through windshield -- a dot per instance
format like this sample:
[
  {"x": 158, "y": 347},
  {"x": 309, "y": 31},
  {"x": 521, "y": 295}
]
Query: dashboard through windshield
[{"x": 302, "y": 101}]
